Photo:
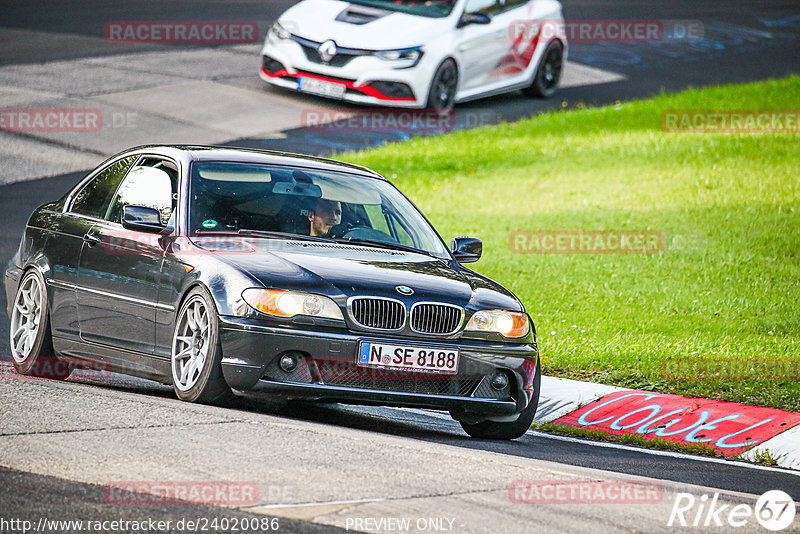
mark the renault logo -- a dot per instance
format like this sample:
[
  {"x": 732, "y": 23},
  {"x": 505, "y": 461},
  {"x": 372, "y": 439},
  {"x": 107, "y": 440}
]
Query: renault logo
[
  {"x": 404, "y": 290},
  {"x": 327, "y": 50}
]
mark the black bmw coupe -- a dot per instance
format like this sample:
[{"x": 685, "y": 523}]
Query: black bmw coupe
[{"x": 225, "y": 270}]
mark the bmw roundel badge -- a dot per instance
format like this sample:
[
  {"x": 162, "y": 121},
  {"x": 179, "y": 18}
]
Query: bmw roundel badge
[{"x": 404, "y": 290}]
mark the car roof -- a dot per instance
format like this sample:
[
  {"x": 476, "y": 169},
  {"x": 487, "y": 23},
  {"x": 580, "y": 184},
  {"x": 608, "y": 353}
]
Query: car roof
[{"x": 247, "y": 155}]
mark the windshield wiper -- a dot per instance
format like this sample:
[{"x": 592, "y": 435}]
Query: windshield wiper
[
  {"x": 283, "y": 235},
  {"x": 382, "y": 244},
  {"x": 300, "y": 237}
]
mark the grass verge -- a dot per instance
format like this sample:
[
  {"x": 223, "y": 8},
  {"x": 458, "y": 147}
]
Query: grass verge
[
  {"x": 764, "y": 457},
  {"x": 628, "y": 439},
  {"x": 723, "y": 290}
]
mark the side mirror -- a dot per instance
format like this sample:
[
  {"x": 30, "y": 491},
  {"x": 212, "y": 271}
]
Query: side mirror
[
  {"x": 466, "y": 249},
  {"x": 141, "y": 219},
  {"x": 473, "y": 18}
]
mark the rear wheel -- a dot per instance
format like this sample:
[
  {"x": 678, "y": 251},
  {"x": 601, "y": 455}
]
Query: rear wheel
[
  {"x": 511, "y": 429},
  {"x": 548, "y": 74},
  {"x": 31, "y": 341},
  {"x": 197, "y": 352},
  {"x": 442, "y": 96}
]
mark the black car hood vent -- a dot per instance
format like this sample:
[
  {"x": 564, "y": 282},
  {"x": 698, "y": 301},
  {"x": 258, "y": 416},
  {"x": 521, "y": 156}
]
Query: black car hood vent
[
  {"x": 360, "y": 15},
  {"x": 306, "y": 244}
]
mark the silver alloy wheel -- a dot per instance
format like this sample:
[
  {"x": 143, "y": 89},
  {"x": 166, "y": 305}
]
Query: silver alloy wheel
[
  {"x": 26, "y": 318},
  {"x": 190, "y": 344}
]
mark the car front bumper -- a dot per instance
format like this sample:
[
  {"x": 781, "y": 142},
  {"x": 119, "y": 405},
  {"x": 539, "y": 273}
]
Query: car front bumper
[
  {"x": 359, "y": 76},
  {"x": 328, "y": 371}
]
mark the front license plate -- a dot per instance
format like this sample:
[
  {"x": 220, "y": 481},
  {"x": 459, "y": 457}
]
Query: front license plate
[
  {"x": 320, "y": 87},
  {"x": 408, "y": 358}
]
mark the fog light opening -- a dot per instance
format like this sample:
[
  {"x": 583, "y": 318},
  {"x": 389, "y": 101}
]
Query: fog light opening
[
  {"x": 499, "y": 380},
  {"x": 289, "y": 361}
]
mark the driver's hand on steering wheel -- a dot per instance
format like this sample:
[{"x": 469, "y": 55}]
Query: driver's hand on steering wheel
[{"x": 340, "y": 230}]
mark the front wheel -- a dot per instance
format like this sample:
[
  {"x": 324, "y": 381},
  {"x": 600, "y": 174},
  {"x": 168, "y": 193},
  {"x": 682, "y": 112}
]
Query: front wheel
[
  {"x": 31, "y": 341},
  {"x": 442, "y": 96},
  {"x": 197, "y": 352},
  {"x": 511, "y": 429},
  {"x": 548, "y": 73}
]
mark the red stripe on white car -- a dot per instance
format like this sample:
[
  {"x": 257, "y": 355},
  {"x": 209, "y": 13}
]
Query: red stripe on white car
[{"x": 366, "y": 89}]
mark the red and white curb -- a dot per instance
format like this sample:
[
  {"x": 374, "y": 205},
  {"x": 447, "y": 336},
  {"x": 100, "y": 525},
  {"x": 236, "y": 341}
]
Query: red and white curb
[{"x": 732, "y": 429}]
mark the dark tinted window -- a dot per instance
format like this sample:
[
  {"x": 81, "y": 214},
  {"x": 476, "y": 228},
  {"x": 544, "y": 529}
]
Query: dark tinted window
[
  {"x": 228, "y": 197},
  {"x": 151, "y": 184},
  {"x": 429, "y": 8},
  {"x": 489, "y": 7},
  {"x": 507, "y": 5},
  {"x": 94, "y": 198}
]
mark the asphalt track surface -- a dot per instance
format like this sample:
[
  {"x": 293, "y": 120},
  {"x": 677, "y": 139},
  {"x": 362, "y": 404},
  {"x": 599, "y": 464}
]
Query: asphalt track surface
[
  {"x": 737, "y": 55},
  {"x": 37, "y": 496}
]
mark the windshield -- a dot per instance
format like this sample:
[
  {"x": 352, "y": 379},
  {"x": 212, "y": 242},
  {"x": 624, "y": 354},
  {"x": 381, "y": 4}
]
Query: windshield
[
  {"x": 290, "y": 201},
  {"x": 429, "y": 8}
]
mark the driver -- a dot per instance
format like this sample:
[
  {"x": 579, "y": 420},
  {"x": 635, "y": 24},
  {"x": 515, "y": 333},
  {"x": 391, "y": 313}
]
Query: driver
[{"x": 324, "y": 215}]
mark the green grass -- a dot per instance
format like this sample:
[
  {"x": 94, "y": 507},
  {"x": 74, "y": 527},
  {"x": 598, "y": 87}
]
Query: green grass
[
  {"x": 726, "y": 287},
  {"x": 765, "y": 457},
  {"x": 632, "y": 439}
]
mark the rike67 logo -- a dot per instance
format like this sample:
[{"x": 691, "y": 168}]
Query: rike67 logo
[{"x": 775, "y": 511}]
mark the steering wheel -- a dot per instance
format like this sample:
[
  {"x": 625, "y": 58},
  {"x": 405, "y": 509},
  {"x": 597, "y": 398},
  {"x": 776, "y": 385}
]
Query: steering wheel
[{"x": 340, "y": 230}]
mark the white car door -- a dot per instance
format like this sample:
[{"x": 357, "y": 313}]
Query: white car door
[
  {"x": 519, "y": 41},
  {"x": 480, "y": 46}
]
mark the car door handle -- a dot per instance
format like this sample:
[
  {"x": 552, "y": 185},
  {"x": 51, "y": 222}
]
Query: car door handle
[{"x": 91, "y": 239}]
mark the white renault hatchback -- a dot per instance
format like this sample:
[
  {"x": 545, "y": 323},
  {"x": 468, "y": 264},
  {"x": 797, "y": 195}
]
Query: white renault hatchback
[{"x": 416, "y": 53}]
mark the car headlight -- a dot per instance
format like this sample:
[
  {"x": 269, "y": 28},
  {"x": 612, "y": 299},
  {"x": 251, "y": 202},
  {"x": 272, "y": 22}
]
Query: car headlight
[
  {"x": 506, "y": 323},
  {"x": 279, "y": 32},
  {"x": 402, "y": 58},
  {"x": 283, "y": 303}
]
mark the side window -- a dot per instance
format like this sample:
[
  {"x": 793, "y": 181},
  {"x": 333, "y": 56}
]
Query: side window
[
  {"x": 402, "y": 235},
  {"x": 94, "y": 198},
  {"x": 377, "y": 218},
  {"x": 508, "y": 5},
  {"x": 482, "y": 6},
  {"x": 153, "y": 184}
]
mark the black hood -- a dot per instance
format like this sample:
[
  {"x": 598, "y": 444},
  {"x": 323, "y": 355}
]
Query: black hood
[{"x": 340, "y": 270}]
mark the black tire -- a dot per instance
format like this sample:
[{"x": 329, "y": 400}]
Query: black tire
[
  {"x": 33, "y": 355},
  {"x": 209, "y": 386},
  {"x": 548, "y": 73},
  {"x": 512, "y": 429},
  {"x": 444, "y": 85}
]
